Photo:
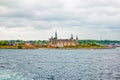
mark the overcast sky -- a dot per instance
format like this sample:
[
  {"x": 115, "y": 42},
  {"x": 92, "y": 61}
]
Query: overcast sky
[{"x": 38, "y": 19}]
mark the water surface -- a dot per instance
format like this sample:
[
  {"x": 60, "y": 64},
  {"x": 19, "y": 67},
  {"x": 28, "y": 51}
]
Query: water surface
[{"x": 103, "y": 64}]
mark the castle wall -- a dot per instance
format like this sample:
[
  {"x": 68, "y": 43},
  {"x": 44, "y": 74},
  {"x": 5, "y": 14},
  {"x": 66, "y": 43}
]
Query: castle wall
[{"x": 63, "y": 42}]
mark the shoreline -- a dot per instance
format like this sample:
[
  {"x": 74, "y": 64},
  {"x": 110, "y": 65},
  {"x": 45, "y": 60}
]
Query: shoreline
[{"x": 60, "y": 48}]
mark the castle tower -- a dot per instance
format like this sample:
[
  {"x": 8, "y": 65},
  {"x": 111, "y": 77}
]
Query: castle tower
[
  {"x": 77, "y": 38},
  {"x": 55, "y": 34},
  {"x": 71, "y": 36}
]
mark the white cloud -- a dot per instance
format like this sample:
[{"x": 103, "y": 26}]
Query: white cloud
[{"x": 89, "y": 18}]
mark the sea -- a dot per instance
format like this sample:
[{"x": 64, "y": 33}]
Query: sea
[{"x": 60, "y": 64}]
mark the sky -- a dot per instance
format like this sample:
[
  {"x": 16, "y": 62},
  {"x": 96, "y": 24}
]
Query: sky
[{"x": 39, "y": 19}]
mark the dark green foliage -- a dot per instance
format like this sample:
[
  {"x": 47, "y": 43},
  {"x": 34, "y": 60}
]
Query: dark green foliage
[
  {"x": 71, "y": 46},
  {"x": 4, "y": 42},
  {"x": 98, "y": 42},
  {"x": 57, "y": 47},
  {"x": 20, "y": 45},
  {"x": 37, "y": 42},
  {"x": 45, "y": 42}
]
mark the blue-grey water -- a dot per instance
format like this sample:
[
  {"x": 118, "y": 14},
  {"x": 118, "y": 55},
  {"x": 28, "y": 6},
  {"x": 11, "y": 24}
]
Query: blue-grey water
[{"x": 38, "y": 64}]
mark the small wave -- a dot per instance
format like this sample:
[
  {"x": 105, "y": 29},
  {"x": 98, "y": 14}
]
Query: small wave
[{"x": 9, "y": 75}]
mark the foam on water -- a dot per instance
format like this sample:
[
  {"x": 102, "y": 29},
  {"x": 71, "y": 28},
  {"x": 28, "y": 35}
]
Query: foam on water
[{"x": 9, "y": 75}]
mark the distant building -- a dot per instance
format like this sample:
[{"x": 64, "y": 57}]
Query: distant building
[
  {"x": 63, "y": 42},
  {"x": 11, "y": 43}
]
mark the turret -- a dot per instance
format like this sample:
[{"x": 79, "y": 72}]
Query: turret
[
  {"x": 55, "y": 34},
  {"x": 76, "y": 37},
  {"x": 71, "y": 36},
  {"x": 51, "y": 37}
]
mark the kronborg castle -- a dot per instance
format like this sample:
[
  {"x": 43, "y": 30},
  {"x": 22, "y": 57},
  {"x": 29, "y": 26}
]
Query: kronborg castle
[{"x": 54, "y": 41}]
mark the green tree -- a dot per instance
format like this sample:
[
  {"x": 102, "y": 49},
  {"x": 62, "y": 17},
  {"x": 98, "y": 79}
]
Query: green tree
[
  {"x": 3, "y": 42},
  {"x": 20, "y": 45},
  {"x": 93, "y": 43},
  {"x": 37, "y": 42},
  {"x": 45, "y": 42}
]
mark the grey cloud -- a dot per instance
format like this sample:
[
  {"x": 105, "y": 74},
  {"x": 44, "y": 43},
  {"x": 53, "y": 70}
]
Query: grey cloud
[{"x": 96, "y": 15}]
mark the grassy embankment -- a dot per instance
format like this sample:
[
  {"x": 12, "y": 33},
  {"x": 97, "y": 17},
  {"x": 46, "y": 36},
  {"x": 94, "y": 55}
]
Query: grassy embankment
[
  {"x": 65, "y": 47},
  {"x": 8, "y": 47}
]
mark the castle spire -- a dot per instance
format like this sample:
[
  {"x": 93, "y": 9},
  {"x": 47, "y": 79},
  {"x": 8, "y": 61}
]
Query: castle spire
[
  {"x": 71, "y": 36},
  {"x": 76, "y": 37},
  {"x": 56, "y": 34}
]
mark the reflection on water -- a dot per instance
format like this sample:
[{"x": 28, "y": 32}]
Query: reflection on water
[{"x": 60, "y": 64}]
